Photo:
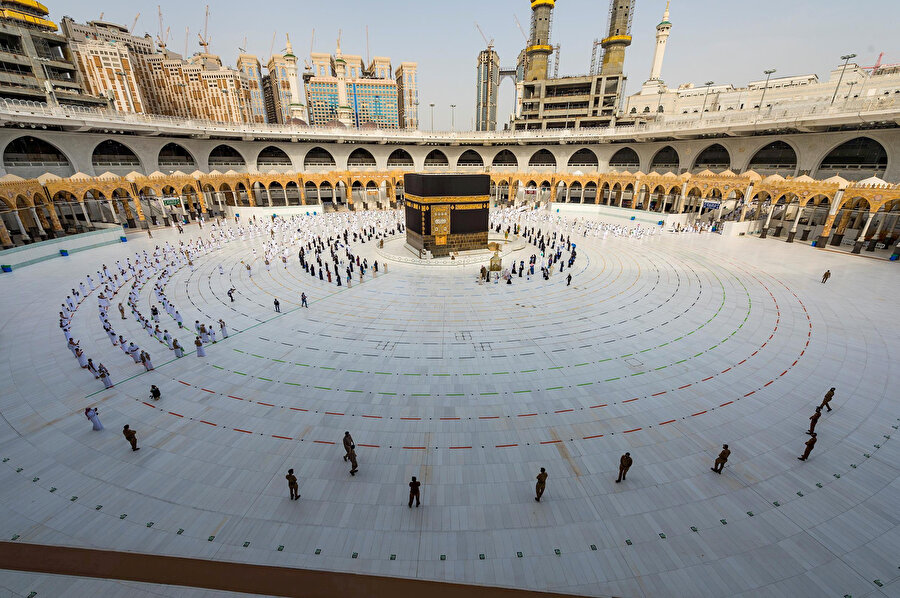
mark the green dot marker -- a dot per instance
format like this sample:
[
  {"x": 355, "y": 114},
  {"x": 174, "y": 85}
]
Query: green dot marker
[
  {"x": 627, "y": 541},
  {"x": 35, "y": 479},
  {"x": 776, "y": 503},
  {"x": 750, "y": 513},
  {"x": 123, "y": 515},
  {"x": 179, "y": 532},
  {"x": 443, "y": 557},
  {"x": 799, "y": 493},
  {"x": 393, "y": 557},
  {"x": 481, "y": 556},
  {"x": 73, "y": 499},
  {"x": 723, "y": 522},
  {"x": 662, "y": 535},
  {"x": 246, "y": 544},
  {"x": 519, "y": 554},
  {"x": 210, "y": 539},
  {"x": 318, "y": 551},
  {"x": 354, "y": 555},
  {"x": 53, "y": 489},
  {"x": 818, "y": 484},
  {"x": 280, "y": 547},
  {"x": 15, "y": 537},
  {"x": 837, "y": 475},
  {"x": 693, "y": 528},
  {"x": 593, "y": 547},
  {"x": 149, "y": 524},
  {"x": 98, "y": 507}
]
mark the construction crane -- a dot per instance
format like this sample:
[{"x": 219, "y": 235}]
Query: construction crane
[
  {"x": 204, "y": 39},
  {"x": 878, "y": 64},
  {"x": 272, "y": 45},
  {"x": 243, "y": 46},
  {"x": 134, "y": 24},
  {"x": 187, "y": 35},
  {"x": 556, "y": 61},
  {"x": 312, "y": 43},
  {"x": 488, "y": 44},
  {"x": 163, "y": 36},
  {"x": 594, "y": 57},
  {"x": 519, "y": 25}
]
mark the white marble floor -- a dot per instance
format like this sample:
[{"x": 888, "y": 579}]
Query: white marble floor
[{"x": 666, "y": 347}]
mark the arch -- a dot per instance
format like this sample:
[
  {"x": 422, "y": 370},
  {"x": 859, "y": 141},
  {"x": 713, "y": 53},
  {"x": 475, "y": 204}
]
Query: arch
[
  {"x": 584, "y": 158},
  {"x": 111, "y": 154},
  {"x": 625, "y": 158},
  {"x": 777, "y": 157},
  {"x": 714, "y": 157},
  {"x": 856, "y": 159},
  {"x": 665, "y": 160},
  {"x": 360, "y": 157},
  {"x": 176, "y": 156},
  {"x": 318, "y": 157},
  {"x": 590, "y": 193},
  {"x": 225, "y": 190},
  {"x": 276, "y": 193},
  {"x": 224, "y": 156},
  {"x": 243, "y": 195},
  {"x": 26, "y": 155},
  {"x": 273, "y": 157},
  {"x": 326, "y": 192},
  {"x": 436, "y": 158},
  {"x": 470, "y": 159},
  {"x": 310, "y": 191},
  {"x": 576, "y": 192},
  {"x": 505, "y": 158},
  {"x": 292, "y": 193},
  {"x": 542, "y": 159},
  {"x": 399, "y": 158}
]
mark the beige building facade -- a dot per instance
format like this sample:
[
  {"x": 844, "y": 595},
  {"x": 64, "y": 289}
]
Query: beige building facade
[{"x": 108, "y": 69}]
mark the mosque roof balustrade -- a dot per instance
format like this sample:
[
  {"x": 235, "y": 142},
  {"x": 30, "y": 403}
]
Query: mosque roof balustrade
[{"x": 805, "y": 116}]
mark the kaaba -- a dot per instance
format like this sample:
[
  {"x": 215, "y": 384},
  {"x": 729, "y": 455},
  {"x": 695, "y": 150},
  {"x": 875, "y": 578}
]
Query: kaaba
[{"x": 447, "y": 212}]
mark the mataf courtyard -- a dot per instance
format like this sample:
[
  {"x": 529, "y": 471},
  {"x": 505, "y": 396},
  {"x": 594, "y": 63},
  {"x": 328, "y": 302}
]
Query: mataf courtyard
[{"x": 664, "y": 345}]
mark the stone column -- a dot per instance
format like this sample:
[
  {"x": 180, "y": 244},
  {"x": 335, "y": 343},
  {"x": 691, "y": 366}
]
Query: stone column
[
  {"x": 765, "y": 229},
  {"x": 879, "y": 232},
  {"x": 5, "y": 239},
  {"x": 162, "y": 209},
  {"x": 793, "y": 232},
  {"x": 268, "y": 196},
  {"x": 87, "y": 219},
  {"x": 857, "y": 247},
  {"x": 37, "y": 222},
  {"x": 829, "y": 221},
  {"x": 112, "y": 208},
  {"x": 681, "y": 198},
  {"x": 568, "y": 192},
  {"x": 54, "y": 219},
  {"x": 21, "y": 226}
]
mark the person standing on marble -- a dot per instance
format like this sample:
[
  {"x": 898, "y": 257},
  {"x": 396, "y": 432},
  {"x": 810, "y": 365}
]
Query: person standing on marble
[
  {"x": 201, "y": 352},
  {"x": 104, "y": 376},
  {"x": 293, "y": 487},
  {"x": 541, "y": 484},
  {"x": 625, "y": 462},
  {"x": 177, "y": 348},
  {"x": 122, "y": 311},
  {"x": 92, "y": 414},
  {"x": 179, "y": 319},
  {"x": 154, "y": 392},
  {"x": 131, "y": 436},
  {"x": 813, "y": 420},
  {"x": 826, "y": 276},
  {"x": 303, "y": 302},
  {"x": 277, "y": 306},
  {"x": 230, "y": 294},
  {"x": 82, "y": 360},
  {"x": 92, "y": 368},
  {"x": 349, "y": 445},
  {"x": 414, "y": 486},
  {"x": 827, "y": 399},
  {"x": 809, "y": 447},
  {"x": 721, "y": 460},
  {"x": 354, "y": 467},
  {"x": 223, "y": 329},
  {"x": 569, "y": 279}
]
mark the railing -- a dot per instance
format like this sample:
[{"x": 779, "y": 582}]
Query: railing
[{"x": 877, "y": 109}]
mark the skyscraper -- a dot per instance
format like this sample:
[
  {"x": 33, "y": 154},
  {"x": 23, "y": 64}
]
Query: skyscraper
[
  {"x": 407, "y": 95},
  {"x": 487, "y": 89},
  {"x": 249, "y": 65}
]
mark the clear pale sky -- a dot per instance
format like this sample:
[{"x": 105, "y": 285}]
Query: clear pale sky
[{"x": 725, "y": 41}]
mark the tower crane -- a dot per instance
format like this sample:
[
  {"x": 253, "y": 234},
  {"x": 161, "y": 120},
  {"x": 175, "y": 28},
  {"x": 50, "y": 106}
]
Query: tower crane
[
  {"x": 519, "y": 25},
  {"x": 187, "y": 35},
  {"x": 134, "y": 24},
  {"x": 243, "y": 46},
  {"x": 272, "y": 45},
  {"x": 204, "y": 39},
  {"x": 163, "y": 36},
  {"x": 488, "y": 44},
  {"x": 312, "y": 43}
]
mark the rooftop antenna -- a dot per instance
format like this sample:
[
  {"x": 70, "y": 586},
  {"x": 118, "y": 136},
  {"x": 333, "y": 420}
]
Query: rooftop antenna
[
  {"x": 367, "y": 44},
  {"x": 204, "y": 39},
  {"x": 134, "y": 24},
  {"x": 340, "y": 33}
]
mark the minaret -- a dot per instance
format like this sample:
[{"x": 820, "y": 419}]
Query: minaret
[
  {"x": 618, "y": 37},
  {"x": 297, "y": 109},
  {"x": 662, "y": 36},
  {"x": 340, "y": 71},
  {"x": 539, "y": 48}
]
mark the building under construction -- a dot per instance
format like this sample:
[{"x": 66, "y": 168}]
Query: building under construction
[{"x": 545, "y": 102}]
